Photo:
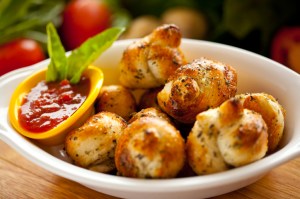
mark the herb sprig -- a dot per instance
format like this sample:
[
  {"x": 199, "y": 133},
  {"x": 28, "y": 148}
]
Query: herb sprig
[{"x": 62, "y": 67}]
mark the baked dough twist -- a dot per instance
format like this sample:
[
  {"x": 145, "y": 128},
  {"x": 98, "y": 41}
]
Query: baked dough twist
[
  {"x": 272, "y": 112},
  {"x": 150, "y": 147},
  {"x": 148, "y": 62},
  {"x": 93, "y": 145},
  {"x": 226, "y": 136},
  {"x": 196, "y": 87}
]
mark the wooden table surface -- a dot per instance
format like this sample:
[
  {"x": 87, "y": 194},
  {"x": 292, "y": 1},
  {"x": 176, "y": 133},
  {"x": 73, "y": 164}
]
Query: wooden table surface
[{"x": 20, "y": 178}]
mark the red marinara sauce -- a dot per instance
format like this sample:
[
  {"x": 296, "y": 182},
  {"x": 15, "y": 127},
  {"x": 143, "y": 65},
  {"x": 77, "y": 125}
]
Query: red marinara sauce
[{"x": 49, "y": 104}]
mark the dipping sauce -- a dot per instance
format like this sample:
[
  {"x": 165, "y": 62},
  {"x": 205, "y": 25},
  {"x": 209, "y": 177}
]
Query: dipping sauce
[{"x": 49, "y": 104}]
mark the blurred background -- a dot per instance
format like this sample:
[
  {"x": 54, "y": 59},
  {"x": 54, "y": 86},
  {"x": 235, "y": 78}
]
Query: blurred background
[{"x": 267, "y": 27}]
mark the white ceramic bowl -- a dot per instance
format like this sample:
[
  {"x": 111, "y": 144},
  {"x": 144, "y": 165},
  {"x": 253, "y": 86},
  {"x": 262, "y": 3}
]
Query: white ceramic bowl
[{"x": 255, "y": 74}]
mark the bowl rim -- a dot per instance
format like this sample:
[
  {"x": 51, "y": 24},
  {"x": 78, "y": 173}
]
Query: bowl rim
[{"x": 92, "y": 72}]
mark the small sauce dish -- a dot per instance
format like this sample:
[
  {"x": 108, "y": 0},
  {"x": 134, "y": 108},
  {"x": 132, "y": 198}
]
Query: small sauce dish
[{"x": 55, "y": 135}]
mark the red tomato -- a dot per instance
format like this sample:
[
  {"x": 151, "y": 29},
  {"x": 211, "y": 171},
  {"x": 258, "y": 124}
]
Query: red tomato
[
  {"x": 19, "y": 53},
  {"x": 83, "y": 19},
  {"x": 286, "y": 47}
]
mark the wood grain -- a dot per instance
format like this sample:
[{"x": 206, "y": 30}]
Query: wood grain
[{"x": 19, "y": 178}]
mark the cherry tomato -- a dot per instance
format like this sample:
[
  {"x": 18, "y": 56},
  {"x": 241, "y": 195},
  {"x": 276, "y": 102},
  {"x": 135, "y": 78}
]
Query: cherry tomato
[
  {"x": 286, "y": 47},
  {"x": 19, "y": 53},
  {"x": 83, "y": 19}
]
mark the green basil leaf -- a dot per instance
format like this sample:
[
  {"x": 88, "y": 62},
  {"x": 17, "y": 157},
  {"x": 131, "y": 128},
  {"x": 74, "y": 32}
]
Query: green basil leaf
[
  {"x": 89, "y": 51},
  {"x": 21, "y": 26},
  {"x": 57, "y": 70},
  {"x": 51, "y": 73},
  {"x": 38, "y": 36},
  {"x": 11, "y": 11},
  {"x": 20, "y": 19},
  {"x": 49, "y": 10}
]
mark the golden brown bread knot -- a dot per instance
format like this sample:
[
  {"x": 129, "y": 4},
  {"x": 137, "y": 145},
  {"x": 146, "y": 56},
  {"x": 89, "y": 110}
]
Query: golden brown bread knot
[
  {"x": 150, "y": 147},
  {"x": 226, "y": 136},
  {"x": 148, "y": 62},
  {"x": 203, "y": 153},
  {"x": 272, "y": 112},
  {"x": 196, "y": 87},
  {"x": 116, "y": 99},
  {"x": 244, "y": 138},
  {"x": 93, "y": 145}
]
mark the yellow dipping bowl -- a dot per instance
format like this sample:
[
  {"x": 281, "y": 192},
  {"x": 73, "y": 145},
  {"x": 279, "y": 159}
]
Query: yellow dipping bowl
[{"x": 56, "y": 135}]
